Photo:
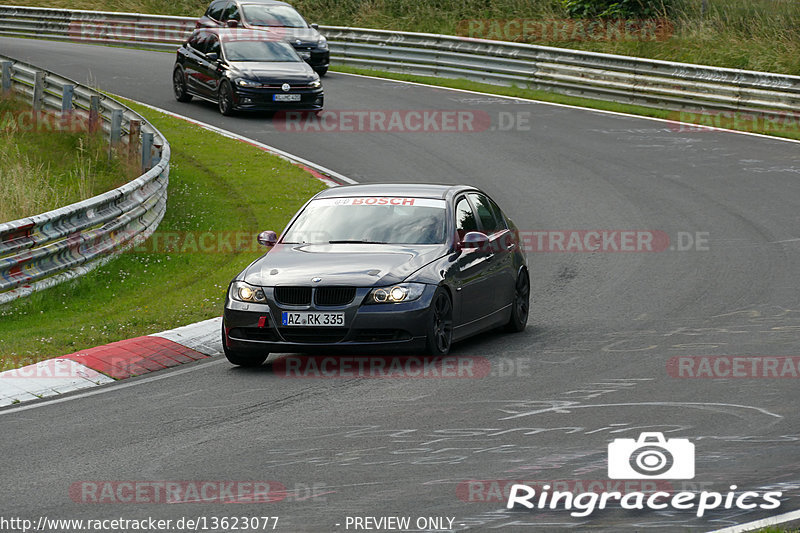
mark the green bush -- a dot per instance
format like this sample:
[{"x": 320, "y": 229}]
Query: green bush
[{"x": 616, "y": 8}]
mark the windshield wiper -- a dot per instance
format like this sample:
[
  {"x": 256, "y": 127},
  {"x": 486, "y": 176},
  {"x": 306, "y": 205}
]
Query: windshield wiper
[{"x": 356, "y": 242}]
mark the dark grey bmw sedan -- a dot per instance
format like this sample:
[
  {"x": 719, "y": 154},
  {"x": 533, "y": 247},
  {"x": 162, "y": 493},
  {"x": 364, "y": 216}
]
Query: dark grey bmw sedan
[{"x": 414, "y": 267}]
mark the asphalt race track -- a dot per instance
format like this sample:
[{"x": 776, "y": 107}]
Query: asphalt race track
[{"x": 590, "y": 368}]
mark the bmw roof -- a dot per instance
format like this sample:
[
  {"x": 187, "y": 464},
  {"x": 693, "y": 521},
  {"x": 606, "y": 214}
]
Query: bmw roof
[{"x": 416, "y": 190}]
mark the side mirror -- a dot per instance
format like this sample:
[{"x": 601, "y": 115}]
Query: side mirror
[
  {"x": 231, "y": 23},
  {"x": 267, "y": 238},
  {"x": 212, "y": 57},
  {"x": 475, "y": 239},
  {"x": 315, "y": 26}
]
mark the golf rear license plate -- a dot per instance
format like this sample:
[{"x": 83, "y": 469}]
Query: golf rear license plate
[
  {"x": 289, "y": 318},
  {"x": 286, "y": 97}
]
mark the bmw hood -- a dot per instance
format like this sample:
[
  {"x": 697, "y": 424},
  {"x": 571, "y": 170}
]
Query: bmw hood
[
  {"x": 352, "y": 265},
  {"x": 283, "y": 72}
]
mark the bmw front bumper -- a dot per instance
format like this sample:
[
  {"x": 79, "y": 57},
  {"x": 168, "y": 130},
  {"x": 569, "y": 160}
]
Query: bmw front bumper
[{"x": 254, "y": 328}]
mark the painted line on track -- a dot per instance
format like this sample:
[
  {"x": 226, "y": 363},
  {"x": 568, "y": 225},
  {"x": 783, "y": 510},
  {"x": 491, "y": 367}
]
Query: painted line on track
[
  {"x": 760, "y": 524},
  {"x": 115, "y": 386},
  {"x": 571, "y": 106}
]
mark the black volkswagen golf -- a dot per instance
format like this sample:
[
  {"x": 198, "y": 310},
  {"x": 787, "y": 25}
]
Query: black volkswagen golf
[
  {"x": 244, "y": 70},
  {"x": 414, "y": 267}
]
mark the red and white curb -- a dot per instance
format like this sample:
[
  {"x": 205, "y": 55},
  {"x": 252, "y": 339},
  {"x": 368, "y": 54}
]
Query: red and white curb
[{"x": 112, "y": 362}]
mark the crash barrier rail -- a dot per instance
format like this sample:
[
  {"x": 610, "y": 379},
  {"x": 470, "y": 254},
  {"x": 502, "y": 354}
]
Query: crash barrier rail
[
  {"x": 40, "y": 251},
  {"x": 628, "y": 80}
]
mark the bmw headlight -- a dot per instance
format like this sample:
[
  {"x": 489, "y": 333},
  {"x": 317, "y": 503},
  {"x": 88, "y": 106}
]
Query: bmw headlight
[
  {"x": 244, "y": 292},
  {"x": 403, "y": 292},
  {"x": 242, "y": 82},
  {"x": 322, "y": 44}
]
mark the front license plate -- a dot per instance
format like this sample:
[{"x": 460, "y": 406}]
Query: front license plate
[
  {"x": 286, "y": 97},
  {"x": 289, "y": 318},
  {"x": 305, "y": 55}
]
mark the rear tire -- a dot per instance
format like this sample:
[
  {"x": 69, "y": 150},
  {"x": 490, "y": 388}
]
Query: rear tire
[
  {"x": 242, "y": 359},
  {"x": 520, "y": 308},
  {"x": 179, "y": 86},
  {"x": 440, "y": 324}
]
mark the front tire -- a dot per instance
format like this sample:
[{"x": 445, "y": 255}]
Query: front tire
[
  {"x": 440, "y": 324},
  {"x": 241, "y": 359},
  {"x": 225, "y": 99},
  {"x": 321, "y": 71},
  {"x": 520, "y": 308},
  {"x": 179, "y": 86}
]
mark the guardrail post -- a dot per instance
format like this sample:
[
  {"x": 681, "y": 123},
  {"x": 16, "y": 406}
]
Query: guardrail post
[
  {"x": 94, "y": 113},
  {"x": 116, "y": 126},
  {"x": 147, "y": 151},
  {"x": 38, "y": 90},
  {"x": 134, "y": 128},
  {"x": 6, "y": 69},
  {"x": 67, "y": 92}
]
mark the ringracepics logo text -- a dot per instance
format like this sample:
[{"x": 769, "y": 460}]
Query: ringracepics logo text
[{"x": 651, "y": 456}]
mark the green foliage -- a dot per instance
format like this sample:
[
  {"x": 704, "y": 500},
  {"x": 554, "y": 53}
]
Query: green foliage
[
  {"x": 616, "y": 8},
  {"x": 218, "y": 187}
]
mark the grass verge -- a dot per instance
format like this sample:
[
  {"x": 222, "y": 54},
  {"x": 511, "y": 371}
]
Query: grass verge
[
  {"x": 789, "y": 128},
  {"x": 221, "y": 194},
  {"x": 42, "y": 168}
]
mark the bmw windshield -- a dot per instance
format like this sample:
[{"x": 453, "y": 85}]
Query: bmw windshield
[{"x": 370, "y": 220}]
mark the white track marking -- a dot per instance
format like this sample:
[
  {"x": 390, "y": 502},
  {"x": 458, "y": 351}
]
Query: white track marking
[
  {"x": 760, "y": 524},
  {"x": 569, "y": 106}
]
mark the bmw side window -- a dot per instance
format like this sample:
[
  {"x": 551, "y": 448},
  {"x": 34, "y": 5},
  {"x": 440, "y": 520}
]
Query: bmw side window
[
  {"x": 488, "y": 221},
  {"x": 498, "y": 214},
  {"x": 465, "y": 218}
]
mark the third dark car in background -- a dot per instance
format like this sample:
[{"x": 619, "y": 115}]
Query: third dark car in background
[{"x": 278, "y": 18}]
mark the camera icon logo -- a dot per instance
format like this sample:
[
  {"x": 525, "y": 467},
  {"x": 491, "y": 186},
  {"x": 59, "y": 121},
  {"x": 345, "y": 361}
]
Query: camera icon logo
[{"x": 651, "y": 457}]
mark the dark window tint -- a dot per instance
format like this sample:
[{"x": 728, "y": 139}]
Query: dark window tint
[
  {"x": 265, "y": 51},
  {"x": 465, "y": 218},
  {"x": 199, "y": 41},
  {"x": 213, "y": 45},
  {"x": 231, "y": 13},
  {"x": 486, "y": 213},
  {"x": 216, "y": 9}
]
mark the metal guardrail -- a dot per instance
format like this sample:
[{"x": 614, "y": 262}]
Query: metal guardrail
[
  {"x": 629, "y": 80},
  {"x": 40, "y": 251}
]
